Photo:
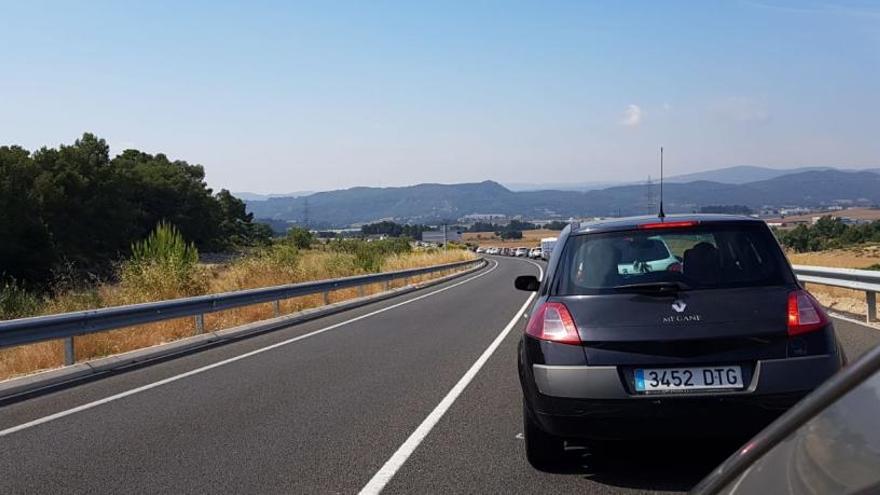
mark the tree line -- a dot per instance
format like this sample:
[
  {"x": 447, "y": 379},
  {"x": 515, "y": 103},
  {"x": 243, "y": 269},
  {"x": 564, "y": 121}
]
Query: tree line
[
  {"x": 75, "y": 209},
  {"x": 392, "y": 229},
  {"x": 828, "y": 233}
]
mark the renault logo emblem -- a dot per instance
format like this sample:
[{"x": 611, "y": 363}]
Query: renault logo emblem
[{"x": 679, "y": 305}]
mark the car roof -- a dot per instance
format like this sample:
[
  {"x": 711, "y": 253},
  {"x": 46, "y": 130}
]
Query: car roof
[{"x": 631, "y": 223}]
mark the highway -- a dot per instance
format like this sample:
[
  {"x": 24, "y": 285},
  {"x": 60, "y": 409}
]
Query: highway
[{"x": 415, "y": 394}]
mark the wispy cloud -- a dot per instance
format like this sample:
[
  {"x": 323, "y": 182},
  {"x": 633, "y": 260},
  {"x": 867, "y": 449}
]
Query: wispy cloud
[{"x": 632, "y": 116}]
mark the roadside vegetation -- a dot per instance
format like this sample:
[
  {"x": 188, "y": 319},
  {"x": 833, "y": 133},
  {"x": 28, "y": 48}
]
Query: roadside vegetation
[
  {"x": 165, "y": 266},
  {"x": 70, "y": 214},
  {"x": 81, "y": 230},
  {"x": 828, "y": 233}
]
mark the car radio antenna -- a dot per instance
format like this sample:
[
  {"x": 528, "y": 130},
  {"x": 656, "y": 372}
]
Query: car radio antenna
[{"x": 661, "y": 214}]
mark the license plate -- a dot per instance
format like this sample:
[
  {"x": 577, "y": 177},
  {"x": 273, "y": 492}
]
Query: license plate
[{"x": 665, "y": 379}]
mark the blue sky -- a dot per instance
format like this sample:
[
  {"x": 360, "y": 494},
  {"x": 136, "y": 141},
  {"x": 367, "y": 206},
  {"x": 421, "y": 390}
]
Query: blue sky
[{"x": 290, "y": 96}]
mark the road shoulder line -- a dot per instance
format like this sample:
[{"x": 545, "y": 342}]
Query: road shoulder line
[{"x": 399, "y": 458}]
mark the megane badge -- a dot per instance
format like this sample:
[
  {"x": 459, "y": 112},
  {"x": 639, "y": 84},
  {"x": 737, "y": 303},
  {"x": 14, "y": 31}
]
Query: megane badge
[{"x": 679, "y": 305}]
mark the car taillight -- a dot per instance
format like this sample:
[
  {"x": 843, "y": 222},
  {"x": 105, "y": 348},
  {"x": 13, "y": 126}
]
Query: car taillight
[
  {"x": 804, "y": 313},
  {"x": 674, "y": 267},
  {"x": 553, "y": 322}
]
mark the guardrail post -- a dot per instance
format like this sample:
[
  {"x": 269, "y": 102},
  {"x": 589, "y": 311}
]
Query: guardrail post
[
  {"x": 276, "y": 308},
  {"x": 326, "y": 297},
  {"x": 361, "y": 290},
  {"x": 387, "y": 285},
  {"x": 871, "y": 299},
  {"x": 405, "y": 281},
  {"x": 200, "y": 323},
  {"x": 69, "y": 352}
]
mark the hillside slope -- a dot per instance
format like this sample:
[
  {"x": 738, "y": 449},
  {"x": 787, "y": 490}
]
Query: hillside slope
[{"x": 439, "y": 202}]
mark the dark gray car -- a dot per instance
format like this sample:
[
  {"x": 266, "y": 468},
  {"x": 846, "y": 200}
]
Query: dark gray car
[{"x": 719, "y": 342}]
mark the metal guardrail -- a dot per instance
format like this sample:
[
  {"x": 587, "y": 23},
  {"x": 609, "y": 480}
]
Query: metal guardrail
[
  {"x": 68, "y": 325},
  {"x": 862, "y": 280}
]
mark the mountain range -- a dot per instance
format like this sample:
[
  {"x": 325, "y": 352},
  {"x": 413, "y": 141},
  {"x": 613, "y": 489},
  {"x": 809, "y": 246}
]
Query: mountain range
[{"x": 431, "y": 203}]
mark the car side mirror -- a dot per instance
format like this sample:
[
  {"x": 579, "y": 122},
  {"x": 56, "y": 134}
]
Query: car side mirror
[{"x": 527, "y": 282}]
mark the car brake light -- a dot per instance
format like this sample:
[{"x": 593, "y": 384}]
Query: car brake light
[
  {"x": 553, "y": 322},
  {"x": 674, "y": 267},
  {"x": 804, "y": 313},
  {"x": 668, "y": 225}
]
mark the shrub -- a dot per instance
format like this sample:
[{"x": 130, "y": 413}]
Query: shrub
[
  {"x": 300, "y": 238},
  {"x": 16, "y": 302},
  {"x": 162, "y": 266},
  {"x": 369, "y": 255},
  {"x": 273, "y": 265}
]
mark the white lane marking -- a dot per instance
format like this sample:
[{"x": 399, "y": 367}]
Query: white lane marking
[
  {"x": 387, "y": 471},
  {"x": 90, "y": 405}
]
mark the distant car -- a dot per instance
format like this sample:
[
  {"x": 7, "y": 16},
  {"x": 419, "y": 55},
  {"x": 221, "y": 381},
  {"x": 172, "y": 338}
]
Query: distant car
[
  {"x": 521, "y": 252},
  {"x": 481, "y": 249},
  {"x": 719, "y": 343},
  {"x": 547, "y": 245},
  {"x": 491, "y": 250},
  {"x": 535, "y": 253}
]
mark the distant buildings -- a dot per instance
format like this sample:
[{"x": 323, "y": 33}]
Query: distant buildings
[
  {"x": 441, "y": 237},
  {"x": 483, "y": 217}
]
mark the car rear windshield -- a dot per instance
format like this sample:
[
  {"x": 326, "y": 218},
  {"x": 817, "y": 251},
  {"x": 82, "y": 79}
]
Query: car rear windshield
[{"x": 707, "y": 256}]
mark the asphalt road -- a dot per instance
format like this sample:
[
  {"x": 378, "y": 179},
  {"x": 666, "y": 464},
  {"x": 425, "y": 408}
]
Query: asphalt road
[{"x": 413, "y": 388}]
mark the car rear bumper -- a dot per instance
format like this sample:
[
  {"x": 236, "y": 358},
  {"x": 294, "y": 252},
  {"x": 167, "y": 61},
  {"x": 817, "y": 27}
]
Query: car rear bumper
[
  {"x": 771, "y": 376},
  {"x": 699, "y": 417},
  {"x": 595, "y": 402}
]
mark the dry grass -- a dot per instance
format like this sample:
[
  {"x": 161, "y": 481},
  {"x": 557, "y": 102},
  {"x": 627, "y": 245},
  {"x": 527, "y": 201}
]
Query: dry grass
[
  {"x": 245, "y": 273},
  {"x": 840, "y": 299},
  {"x": 531, "y": 238},
  {"x": 854, "y": 257}
]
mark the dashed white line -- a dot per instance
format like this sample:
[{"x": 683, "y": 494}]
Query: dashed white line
[
  {"x": 390, "y": 468},
  {"x": 127, "y": 393}
]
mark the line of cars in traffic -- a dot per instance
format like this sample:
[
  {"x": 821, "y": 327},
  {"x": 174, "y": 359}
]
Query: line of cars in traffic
[
  {"x": 544, "y": 251},
  {"x": 519, "y": 252}
]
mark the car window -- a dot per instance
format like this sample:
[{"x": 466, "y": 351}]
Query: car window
[
  {"x": 650, "y": 249},
  {"x": 699, "y": 257}
]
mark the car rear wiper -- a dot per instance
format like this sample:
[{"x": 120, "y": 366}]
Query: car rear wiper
[{"x": 668, "y": 287}]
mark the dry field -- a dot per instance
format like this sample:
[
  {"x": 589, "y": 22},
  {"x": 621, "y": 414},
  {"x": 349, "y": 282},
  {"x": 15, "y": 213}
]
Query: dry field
[
  {"x": 238, "y": 275},
  {"x": 855, "y": 257},
  {"x": 531, "y": 238},
  {"x": 856, "y": 213}
]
